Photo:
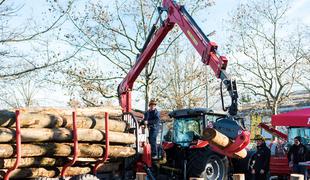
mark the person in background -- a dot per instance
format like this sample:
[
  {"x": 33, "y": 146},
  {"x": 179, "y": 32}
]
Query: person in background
[
  {"x": 152, "y": 119},
  {"x": 297, "y": 153},
  {"x": 259, "y": 164}
]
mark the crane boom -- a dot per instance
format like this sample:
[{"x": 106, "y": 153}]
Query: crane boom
[{"x": 207, "y": 49}]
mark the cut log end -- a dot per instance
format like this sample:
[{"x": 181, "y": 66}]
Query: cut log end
[{"x": 215, "y": 137}]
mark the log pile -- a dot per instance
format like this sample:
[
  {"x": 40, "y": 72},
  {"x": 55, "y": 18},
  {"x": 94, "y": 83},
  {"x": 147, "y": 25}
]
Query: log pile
[{"x": 47, "y": 141}]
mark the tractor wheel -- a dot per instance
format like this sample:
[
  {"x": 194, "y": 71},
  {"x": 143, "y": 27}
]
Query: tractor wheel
[
  {"x": 85, "y": 177},
  {"x": 207, "y": 164}
]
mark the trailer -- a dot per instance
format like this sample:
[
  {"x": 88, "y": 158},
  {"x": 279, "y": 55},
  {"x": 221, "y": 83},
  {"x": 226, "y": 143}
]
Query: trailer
[{"x": 298, "y": 124}]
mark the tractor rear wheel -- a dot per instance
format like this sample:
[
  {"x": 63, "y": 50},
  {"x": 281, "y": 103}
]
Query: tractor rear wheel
[{"x": 207, "y": 164}]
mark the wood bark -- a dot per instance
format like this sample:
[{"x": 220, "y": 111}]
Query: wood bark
[
  {"x": 64, "y": 150},
  {"x": 241, "y": 154},
  {"x": 216, "y": 137},
  {"x": 297, "y": 177},
  {"x": 30, "y": 173},
  {"x": 90, "y": 111},
  {"x": 95, "y": 122},
  {"x": 41, "y": 120},
  {"x": 220, "y": 140},
  {"x": 32, "y": 162},
  {"x": 56, "y": 172},
  {"x": 109, "y": 167},
  {"x": 65, "y": 135},
  {"x": 7, "y": 119},
  {"x": 45, "y": 172},
  {"x": 238, "y": 177},
  {"x": 56, "y": 162}
]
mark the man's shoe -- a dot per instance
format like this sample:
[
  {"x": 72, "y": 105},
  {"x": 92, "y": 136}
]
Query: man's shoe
[{"x": 154, "y": 157}]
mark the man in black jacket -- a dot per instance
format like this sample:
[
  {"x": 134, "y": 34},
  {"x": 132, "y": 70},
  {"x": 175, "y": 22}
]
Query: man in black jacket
[
  {"x": 152, "y": 119},
  {"x": 296, "y": 154},
  {"x": 260, "y": 160}
]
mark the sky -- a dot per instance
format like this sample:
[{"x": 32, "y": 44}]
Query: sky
[{"x": 215, "y": 19}]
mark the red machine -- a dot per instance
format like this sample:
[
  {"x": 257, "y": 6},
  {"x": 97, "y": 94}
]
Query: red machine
[
  {"x": 228, "y": 125},
  {"x": 178, "y": 15},
  {"x": 298, "y": 124}
]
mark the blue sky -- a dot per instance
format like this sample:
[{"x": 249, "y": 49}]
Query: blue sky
[{"x": 215, "y": 20}]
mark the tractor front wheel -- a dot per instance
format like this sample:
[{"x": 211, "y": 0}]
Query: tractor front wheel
[{"x": 207, "y": 164}]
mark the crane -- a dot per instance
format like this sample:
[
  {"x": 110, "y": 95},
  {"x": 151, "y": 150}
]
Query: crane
[{"x": 207, "y": 49}]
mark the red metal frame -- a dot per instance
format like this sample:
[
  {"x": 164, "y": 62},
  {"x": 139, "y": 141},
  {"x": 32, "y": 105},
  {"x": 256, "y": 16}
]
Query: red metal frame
[
  {"x": 273, "y": 131},
  {"x": 75, "y": 146},
  {"x": 239, "y": 143},
  {"x": 199, "y": 144},
  {"x": 18, "y": 146},
  {"x": 107, "y": 144},
  {"x": 146, "y": 158},
  {"x": 207, "y": 49}
]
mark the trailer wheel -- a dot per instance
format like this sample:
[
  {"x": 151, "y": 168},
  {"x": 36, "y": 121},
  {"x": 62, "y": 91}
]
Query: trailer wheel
[
  {"x": 85, "y": 177},
  {"x": 206, "y": 164}
]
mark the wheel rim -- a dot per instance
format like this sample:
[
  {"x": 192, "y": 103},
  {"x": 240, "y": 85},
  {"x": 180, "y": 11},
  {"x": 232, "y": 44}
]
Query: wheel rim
[{"x": 213, "y": 168}]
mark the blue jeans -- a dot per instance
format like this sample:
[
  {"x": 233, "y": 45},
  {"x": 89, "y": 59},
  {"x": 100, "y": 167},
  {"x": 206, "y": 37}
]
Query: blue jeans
[
  {"x": 299, "y": 169},
  {"x": 153, "y": 131}
]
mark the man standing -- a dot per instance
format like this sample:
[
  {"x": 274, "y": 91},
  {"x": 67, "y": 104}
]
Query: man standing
[
  {"x": 152, "y": 118},
  {"x": 260, "y": 160},
  {"x": 296, "y": 154}
]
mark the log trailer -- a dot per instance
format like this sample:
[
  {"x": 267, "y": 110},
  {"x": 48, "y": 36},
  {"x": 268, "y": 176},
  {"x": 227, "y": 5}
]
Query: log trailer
[
  {"x": 192, "y": 152},
  {"x": 298, "y": 124}
]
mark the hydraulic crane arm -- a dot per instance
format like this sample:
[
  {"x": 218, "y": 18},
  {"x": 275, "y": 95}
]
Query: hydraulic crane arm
[{"x": 208, "y": 50}]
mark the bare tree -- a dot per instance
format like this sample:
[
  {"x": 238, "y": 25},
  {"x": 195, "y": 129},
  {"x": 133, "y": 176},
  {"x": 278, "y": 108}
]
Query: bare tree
[
  {"x": 24, "y": 93},
  {"x": 116, "y": 32},
  {"x": 183, "y": 80},
  {"x": 14, "y": 61},
  {"x": 268, "y": 55}
]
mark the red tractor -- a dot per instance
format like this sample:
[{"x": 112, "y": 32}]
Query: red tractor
[
  {"x": 298, "y": 124},
  {"x": 188, "y": 154}
]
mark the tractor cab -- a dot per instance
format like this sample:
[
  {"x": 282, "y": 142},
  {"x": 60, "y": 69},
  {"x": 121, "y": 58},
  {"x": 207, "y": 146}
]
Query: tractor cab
[
  {"x": 303, "y": 132},
  {"x": 188, "y": 125}
]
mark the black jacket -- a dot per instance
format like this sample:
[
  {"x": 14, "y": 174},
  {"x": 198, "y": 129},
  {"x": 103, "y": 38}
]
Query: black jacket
[
  {"x": 297, "y": 153},
  {"x": 152, "y": 116},
  {"x": 260, "y": 160}
]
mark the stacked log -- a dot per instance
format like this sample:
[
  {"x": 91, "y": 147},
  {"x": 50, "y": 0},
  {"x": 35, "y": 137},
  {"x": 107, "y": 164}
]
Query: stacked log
[
  {"x": 220, "y": 140},
  {"x": 47, "y": 141}
]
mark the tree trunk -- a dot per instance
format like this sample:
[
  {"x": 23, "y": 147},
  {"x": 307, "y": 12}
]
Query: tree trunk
[
  {"x": 42, "y": 172},
  {"x": 96, "y": 123},
  {"x": 220, "y": 140},
  {"x": 56, "y": 162},
  {"x": 65, "y": 135},
  {"x": 64, "y": 150},
  {"x": 7, "y": 119},
  {"x": 30, "y": 173},
  {"x": 32, "y": 162},
  {"x": 42, "y": 120},
  {"x": 90, "y": 111},
  {"x": 109, "y": 167},
  {"x": 216, "y": 137},
  {"x": 275, "y": 107},
  {"x": 22, "y": 173}
]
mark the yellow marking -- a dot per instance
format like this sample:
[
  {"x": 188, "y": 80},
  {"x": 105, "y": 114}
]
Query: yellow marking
[{"x": 192, "y": 37}]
